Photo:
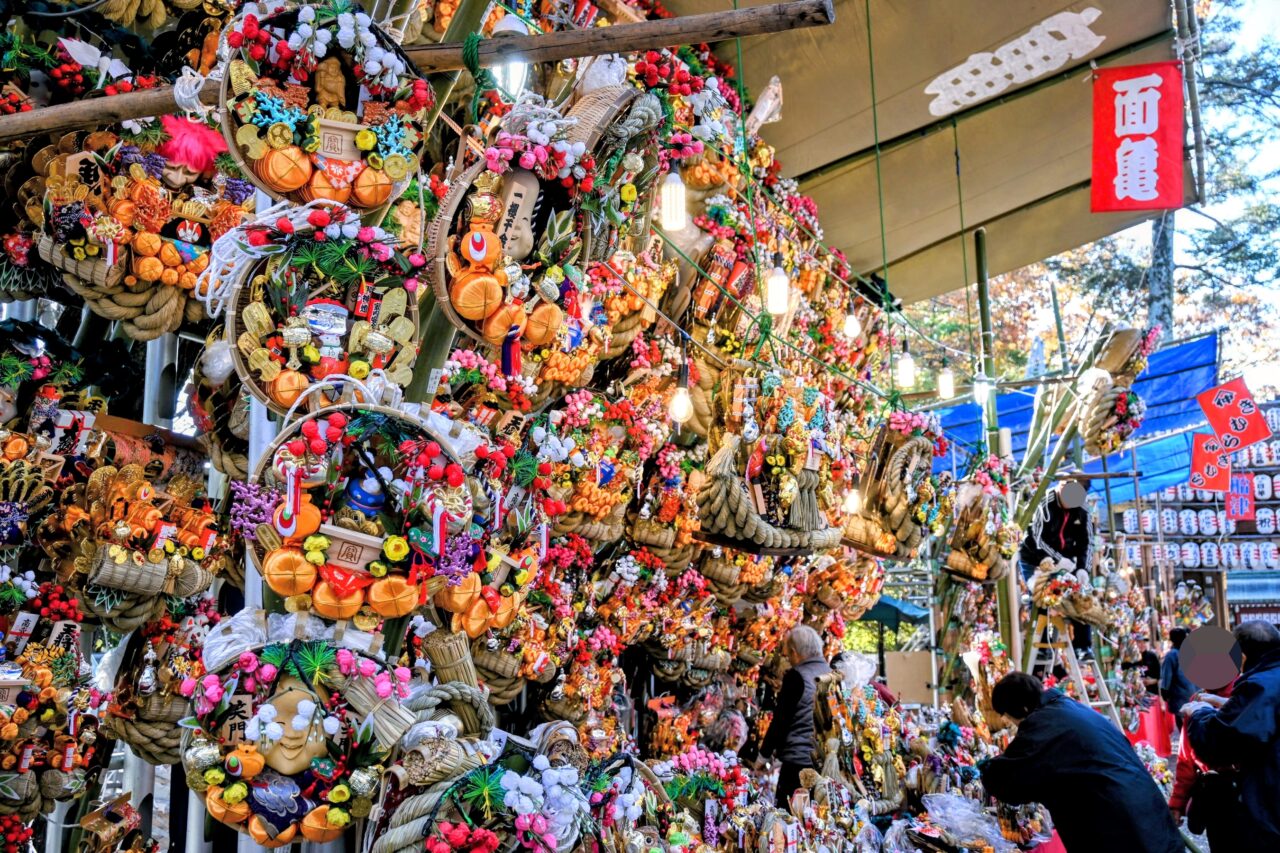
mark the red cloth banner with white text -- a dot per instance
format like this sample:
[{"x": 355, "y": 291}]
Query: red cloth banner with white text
[
  {"x": 1137, "y": 137},
  {"x": 1210, "y": 466},
  {"x": 1233, "y": 415}
]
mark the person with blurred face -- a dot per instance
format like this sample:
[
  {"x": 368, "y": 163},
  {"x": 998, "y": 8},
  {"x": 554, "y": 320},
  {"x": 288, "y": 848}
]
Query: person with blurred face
[{"x": 791, "y": 738}]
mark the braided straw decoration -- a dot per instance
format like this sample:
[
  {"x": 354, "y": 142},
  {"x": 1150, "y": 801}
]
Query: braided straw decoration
[
  {"x": 1100, "y": 416},
  {"x": 154, "y": 741},
  {"x": 134, "y": 611},
  {"x": 145, "y": 311},
  {"x": 409, "y": 822}
]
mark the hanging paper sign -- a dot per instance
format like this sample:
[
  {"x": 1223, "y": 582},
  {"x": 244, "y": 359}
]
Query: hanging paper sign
[
  {"x": 1234, "y": 416},
  {"x": 1210, "y": 468},
  {"x": 19, "y": 632},
  {"x": 1240, "y": 500},
  {"x": 1137, "y": 137},
  {"x": 239, "y": 710}
]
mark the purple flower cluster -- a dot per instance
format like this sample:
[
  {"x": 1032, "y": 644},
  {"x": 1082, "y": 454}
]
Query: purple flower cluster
[
  {"x": 236, "y": 190},
  {"x": 251, "y": 505},
  {"x": 153, "y": 164},
  {"x": 455, "y": 564}
]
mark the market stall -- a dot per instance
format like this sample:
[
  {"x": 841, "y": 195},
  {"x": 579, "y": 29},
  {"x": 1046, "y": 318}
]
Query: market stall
[{"x": 506, "y": 409}]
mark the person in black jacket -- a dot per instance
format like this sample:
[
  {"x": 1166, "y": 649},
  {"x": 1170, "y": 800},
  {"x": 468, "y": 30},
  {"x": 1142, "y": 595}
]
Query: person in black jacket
[
  {"x": 1062, "y": 531},
  {"x": 791, "y": 739},
  {"x": 1079, "y": 766},
  {"x": 1242, "y": 741}
]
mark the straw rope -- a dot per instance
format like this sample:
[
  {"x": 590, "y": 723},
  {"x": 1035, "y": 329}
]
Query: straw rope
[{"x": 154, "y": 741}]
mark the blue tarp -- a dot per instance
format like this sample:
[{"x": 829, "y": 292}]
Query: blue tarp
[
  {"x": 1173, "y": 378},
  {"x": 893, "y": 613}
]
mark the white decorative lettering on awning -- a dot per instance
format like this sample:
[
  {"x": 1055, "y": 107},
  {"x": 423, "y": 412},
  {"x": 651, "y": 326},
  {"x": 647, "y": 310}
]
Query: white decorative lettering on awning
[{"x": 1046, "y": 47}]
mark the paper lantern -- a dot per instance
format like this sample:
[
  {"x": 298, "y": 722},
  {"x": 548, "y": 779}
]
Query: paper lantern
[
  {"x": 392, "y": 597},
  {"x": 476, "y": 295},
  {"x": 222, "y": 811},
  {"x": 1208, "y": 522},
  {"x": 1262, "y": 487},
  {"x": 372, "y": 188},
  {"x": 316, "y": 826},
  {"x": 284, "y": 170},
  {"x": 544, "y": 322},
  {"x": 286, "y": 388},
  {"x": 1130, "y": 519},
  {"x": 287, "y": 572},
  {"x": 327, "y": 602},
  {"x": 321, "y": 187}
]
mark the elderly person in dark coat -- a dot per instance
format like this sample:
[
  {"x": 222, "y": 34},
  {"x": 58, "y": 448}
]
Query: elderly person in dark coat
[
  {"x": 1242, "y": 739},
  {"x": 1077, "y": 764},
  {"x": 791, "y": 738}
]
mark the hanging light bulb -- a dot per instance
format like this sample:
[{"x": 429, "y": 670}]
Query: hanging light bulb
[
  {"x": 852, "y": 325},
  {"x": 511, "y": 74},
  {"x": 681, "y": 406},
  {"x": 981, "y": 388},
  {"x": 946, "y": 382},
  {"x": 906, "y": 367},
  {"x": 777, "y": 293},
  {"x": 672, "y": 202},
  {"x": 852, "y": 500}
]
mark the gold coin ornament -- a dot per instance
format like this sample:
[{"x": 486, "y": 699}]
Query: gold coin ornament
[
  {"x": 327, "y": 293},
  {"x": 336, "y": 114}
]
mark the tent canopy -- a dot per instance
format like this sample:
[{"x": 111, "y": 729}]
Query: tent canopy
[
  {"x": 1173, "y": 378},
  {"x": 1009, "y": 92},
  {"x": 891, "y": 612}
]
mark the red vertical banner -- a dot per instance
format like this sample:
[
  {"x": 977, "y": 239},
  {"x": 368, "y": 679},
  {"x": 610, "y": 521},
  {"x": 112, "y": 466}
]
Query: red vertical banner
[
  {"x": 1137, "y": 137},
  {"x": 1240, "y": 500},
  {"x": 1234, "y": 415},
  {"x": 1210, "y": 467}
]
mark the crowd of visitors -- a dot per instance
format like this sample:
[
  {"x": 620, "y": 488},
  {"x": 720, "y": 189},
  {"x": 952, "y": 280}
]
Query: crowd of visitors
[{"x": 1077, "y": 764}]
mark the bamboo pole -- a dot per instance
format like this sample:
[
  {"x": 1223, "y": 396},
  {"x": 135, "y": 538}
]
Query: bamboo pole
[
  {"x": 545, "y": 47},
  {"x": 435, "y": 332}
]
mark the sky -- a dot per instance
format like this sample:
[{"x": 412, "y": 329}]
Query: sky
[{"x": 1261, "y": 19}]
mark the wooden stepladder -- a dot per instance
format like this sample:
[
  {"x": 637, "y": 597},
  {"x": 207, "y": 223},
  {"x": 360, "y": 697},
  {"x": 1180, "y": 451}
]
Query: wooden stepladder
[{"x": 1050, "y": 633}]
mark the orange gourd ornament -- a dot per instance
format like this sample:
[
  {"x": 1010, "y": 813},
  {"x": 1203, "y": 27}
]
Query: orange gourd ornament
[
  {"x": 321, "y": 187},
  {"x": 371, "y": 188},
  {"x": 477, "y": 289},
  {"x": 330, "y": 604},
  {"x": 316, "y": 826},
  {"x": 287, "y": 572},
  {"x": 285, "y": 170},
  {"x": 392, "y": 597},
  {"x": 498, "y": 324},
  {"x": 287, "y": 387},
  {"x": 259, "y": 832},
  {"x": 544, "y": 321}
]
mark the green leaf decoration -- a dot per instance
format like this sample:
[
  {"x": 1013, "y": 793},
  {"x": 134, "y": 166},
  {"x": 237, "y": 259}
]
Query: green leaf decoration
[
  {"x": 313, "y": 660},
  {"x": 483, "y": 789}
]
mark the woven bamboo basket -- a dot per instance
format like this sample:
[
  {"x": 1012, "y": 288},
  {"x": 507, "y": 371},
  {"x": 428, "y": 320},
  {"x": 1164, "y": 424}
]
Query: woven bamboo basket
[
  {"x": 241, "y": 297},
  {"x": 231, "y": 123},
  {"x": 646, "y": 531},
  {"x": 167, "y": 707},
  {"x": 974, "y": 553},
  {"x": 261, "y": 472}
]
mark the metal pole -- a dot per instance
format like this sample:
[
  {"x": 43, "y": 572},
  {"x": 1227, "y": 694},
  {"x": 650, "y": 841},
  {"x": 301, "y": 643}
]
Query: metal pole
[
  {"x": 262, "y": 430},
  {"x": 158, "y": 396}
]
